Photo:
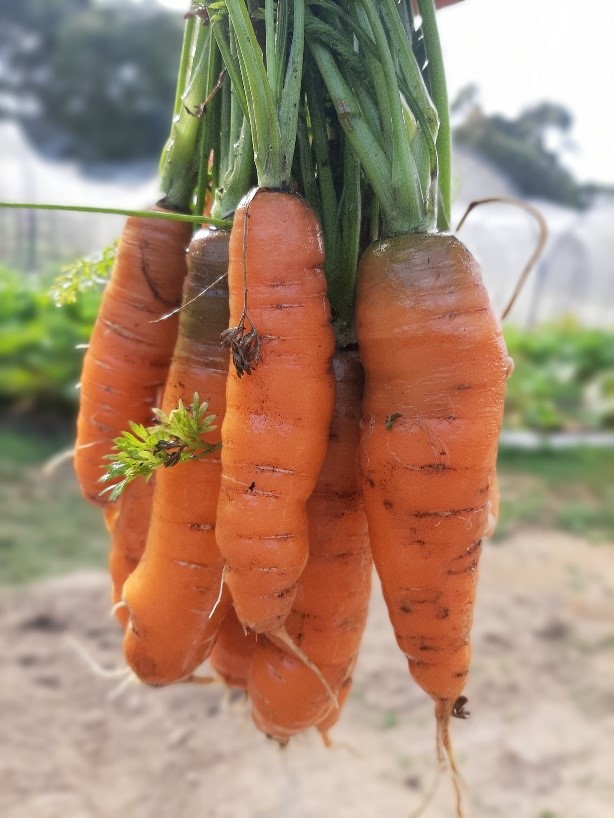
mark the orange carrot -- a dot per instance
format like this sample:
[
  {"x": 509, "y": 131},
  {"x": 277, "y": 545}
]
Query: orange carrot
[
  {"x": 436, "y": 367},
  {"x": 174, "y": 596},
  {"x": 129, "y": 353},
  {"x": 329, "y": 613},
  {"x": 276, "y": 425},
  {"x": 233, "y": 650},
  {"x": 127, "y": 521}
]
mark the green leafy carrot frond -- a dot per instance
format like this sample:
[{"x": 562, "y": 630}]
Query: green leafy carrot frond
[
  {"x": 83, "y": 274},
  {"x": 175, "y": 438}
]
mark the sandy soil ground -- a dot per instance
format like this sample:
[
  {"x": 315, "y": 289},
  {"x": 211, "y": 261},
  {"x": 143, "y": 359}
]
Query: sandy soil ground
[{"x": 539, "y": 743}]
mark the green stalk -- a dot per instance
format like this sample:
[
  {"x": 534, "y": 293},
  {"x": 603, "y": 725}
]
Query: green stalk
[
  {"x": 273, "y": 70},
  {"x": 224, "y": 149},
  {"x": 289, "y": 105},
  {"x": 231, "y": 63},
  {"x": 405, "y": 182},
  {"x": 270, "y": 162},
  {"x": 374, "y": 161},
  {"x": 238, "y": 178},
  {"x": 211, "y": 69},
  {"x": 281, "y": 37},
  {"x": 439, "y": 93},
  {"x": 350, "y": 221},
  {"x": 178, "y": 165},
  {"x": 223, "y": 224},
  {"x": 306, "y": 168},
  {"x": 326, "y": 183},
  {"x": 407, "y": 63},
  {"x": 184, "y": 62}
]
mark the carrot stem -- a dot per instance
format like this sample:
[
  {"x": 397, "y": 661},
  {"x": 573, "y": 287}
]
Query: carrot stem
[
  {"x": 178, "y": 168},
  {"x": 210, "y": 108},
  {"x": 271, "y": 164},
  {"x": 223, "y": 224},
  {"x": 439, "y": 94}
]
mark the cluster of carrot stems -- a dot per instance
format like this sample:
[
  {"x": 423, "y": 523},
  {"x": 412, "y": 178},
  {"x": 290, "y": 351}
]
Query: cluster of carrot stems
[{"x": 342, "y": 101}]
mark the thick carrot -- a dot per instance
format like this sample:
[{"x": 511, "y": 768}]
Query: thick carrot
[
  {"x": 275, "y": 430},
  {"x": 436, "y": 367},
  {"x": 329, "y": 613},
  {"x": 174, "y": 596},
  {"x": 127, "y": 521},
  {"x": 129, "y": 352},
  {"x": 232, "y": 652}
]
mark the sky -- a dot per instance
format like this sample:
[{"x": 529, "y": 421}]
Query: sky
[{"x": 521, "y": 52}]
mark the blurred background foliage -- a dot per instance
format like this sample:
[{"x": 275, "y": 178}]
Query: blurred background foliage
[
  {"x": 564, "y": 376},
  {"x": 521, "y": 147},
  {"x": 90, "y": 80}
]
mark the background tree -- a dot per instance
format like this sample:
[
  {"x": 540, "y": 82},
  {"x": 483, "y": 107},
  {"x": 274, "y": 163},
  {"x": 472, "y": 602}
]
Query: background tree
[
  {"x": 520, "y": 146},
  {"x": 89, "y": 80}
]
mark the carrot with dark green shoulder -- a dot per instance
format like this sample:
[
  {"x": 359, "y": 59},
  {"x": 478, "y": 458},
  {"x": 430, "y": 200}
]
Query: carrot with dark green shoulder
[
  {"x": 435, "y": 368},
  {"x": 127, "y": 360},
  {"x": 175, "y": 597},
  {"x": 130, "y": 349}
]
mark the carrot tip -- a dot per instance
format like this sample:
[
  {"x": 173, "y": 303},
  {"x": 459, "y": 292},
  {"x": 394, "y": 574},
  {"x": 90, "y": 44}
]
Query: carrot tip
[{"x": 444, "y": 710}]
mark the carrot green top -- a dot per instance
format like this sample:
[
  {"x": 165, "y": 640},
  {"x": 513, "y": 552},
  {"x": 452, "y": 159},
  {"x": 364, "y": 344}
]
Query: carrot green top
[
  {"x": 269, "y": 91},
  {"x": 398, "y": 130}
]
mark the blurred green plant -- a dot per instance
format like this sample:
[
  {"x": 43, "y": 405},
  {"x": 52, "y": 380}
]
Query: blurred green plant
[
  {"x": 82, "y": 275},
  {"x": 91, "y": 80},
  {"x": 563, "y": 380},
  {"x": 39, "y": 357}
]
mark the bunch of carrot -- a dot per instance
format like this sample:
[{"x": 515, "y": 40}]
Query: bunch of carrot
[{"x": 258, "y": 554}]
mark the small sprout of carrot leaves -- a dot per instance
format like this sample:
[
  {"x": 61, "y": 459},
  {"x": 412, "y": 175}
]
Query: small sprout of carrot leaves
[
  {"x": 175, "y": 438},
  {"x": 392, "y": 419},
  {"x": 82, "y": 275}
]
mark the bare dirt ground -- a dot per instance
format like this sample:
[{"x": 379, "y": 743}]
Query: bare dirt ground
[{"x": 539, "y": 743}]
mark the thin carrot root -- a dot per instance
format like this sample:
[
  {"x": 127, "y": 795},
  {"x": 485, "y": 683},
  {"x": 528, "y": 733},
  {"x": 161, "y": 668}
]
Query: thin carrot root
[
  {"x": 286, "y": 640},
  {"x": 443, "y": 712},
  {"x": 220, "y": 594},
  {"x": 93, "y": 665},
  {"x": 49, "y": 467},
  {"x": 194, "y": 679},
  {"x": 430, "y": 793},
  {"x": 117, "y": 607},
  {"x": 131, "y": 678}
]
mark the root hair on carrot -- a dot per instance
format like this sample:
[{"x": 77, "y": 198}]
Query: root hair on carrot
[
  {"x": 49, "y": 467},
  {"x": 116, "y": 692},
  {"x": 118, "y": 606},
  {"x": 220, "y": 594},
  {"x": 431, "y": 791},
  {"x": 177, "y": 310},
  {"x": 195, "y": 679},
  {"x": 94, "y": 666},
  {"x": 286, "y": 640}
]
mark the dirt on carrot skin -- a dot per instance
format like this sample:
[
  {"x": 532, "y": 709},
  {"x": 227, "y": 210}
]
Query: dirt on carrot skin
[{"x": 537, "y": 742}]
